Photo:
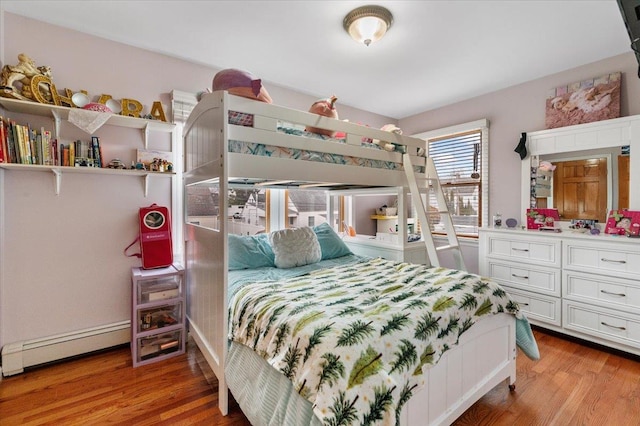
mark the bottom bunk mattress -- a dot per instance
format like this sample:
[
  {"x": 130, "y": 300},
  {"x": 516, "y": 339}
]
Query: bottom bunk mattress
[{"x": 354, "y": 338}]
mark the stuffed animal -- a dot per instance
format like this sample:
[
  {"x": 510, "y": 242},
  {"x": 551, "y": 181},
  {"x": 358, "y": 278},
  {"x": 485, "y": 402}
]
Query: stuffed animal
[
  {"x": 327, "y": 108},
  {"x": 546, "y": 166},
  {"x": 241, "y": 83},
  {"x": 388, "y": 146}
]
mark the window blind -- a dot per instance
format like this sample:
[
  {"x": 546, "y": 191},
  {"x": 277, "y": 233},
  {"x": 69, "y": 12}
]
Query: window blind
[{"x": 458, "y": 161}]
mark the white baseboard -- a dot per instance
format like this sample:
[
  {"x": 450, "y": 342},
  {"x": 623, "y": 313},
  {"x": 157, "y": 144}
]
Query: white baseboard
[{"x": 19, "y": 355}]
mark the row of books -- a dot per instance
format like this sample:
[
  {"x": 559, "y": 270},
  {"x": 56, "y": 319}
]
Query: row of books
[
  {"x": 82, "y": 153},
  {"x": 26, "y": 145},
  {"x": 21, "y": 144}
]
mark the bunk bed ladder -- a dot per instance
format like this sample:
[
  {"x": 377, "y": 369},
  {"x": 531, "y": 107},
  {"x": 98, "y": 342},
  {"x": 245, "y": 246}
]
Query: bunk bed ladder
[{"x": 432, "y": 182}]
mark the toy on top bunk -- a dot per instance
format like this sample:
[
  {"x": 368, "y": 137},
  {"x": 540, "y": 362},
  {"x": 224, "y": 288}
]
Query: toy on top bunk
[
  {"x": 392, "y": 146},
  {"x": 326, "y": 108},
  {"x": 241, "y": 83},
  {"x": 389, "y": 146}
]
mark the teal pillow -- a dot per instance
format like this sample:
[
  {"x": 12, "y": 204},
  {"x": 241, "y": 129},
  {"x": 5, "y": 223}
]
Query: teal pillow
[
  {"x": 250, "y": 251},
  {"x": 331, "y": 244}
]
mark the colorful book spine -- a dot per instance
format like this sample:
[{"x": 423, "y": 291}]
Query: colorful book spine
[
  {"x": 11, "y": 142},
  {"x": 27, "y": 145},
  {"x": 65, "y": 154},
  {"x": 97, "y": 151},
  {"x": 33, "y": 144},
  {"x": 19, "y": 137},
  {"x": 46, "y": 147},
  {"x": 54, "y": 153},
  {"x": 3, "y": 143},
  {"x": 72, "y": 155}
]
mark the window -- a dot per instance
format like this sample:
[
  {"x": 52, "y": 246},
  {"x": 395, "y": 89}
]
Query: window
[
  {"x": 460, "y": 154},
  {"x": 247, "y": 212},
  {"x": 306, "y": 207}
]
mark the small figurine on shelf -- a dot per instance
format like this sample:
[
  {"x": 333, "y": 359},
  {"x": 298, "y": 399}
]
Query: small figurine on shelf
[
  {"x": 497, "y": 220},
  {"x": 116, "y": 164}
]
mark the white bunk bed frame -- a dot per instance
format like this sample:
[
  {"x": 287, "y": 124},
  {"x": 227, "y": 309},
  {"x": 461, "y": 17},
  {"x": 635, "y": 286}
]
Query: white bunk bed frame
[{"x": 486, "y": 353}]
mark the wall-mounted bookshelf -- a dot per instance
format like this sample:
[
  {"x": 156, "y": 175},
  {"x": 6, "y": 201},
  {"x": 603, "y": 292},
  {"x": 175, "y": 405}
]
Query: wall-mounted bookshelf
[
  {"x": 58, "y": 171},
  {"x": 60, "y": 113}
]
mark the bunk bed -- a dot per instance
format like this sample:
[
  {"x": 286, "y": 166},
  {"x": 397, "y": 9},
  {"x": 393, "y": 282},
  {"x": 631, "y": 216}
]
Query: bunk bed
[{"x": 230, "y": 139}]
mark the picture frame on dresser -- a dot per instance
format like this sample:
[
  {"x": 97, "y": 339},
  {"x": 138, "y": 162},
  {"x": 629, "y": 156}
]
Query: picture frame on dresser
[{"x": 623, "y": 222}]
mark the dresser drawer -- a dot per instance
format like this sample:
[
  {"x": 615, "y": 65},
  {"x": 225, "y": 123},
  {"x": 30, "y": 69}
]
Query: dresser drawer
[
  {"x": 524, "y": 248},
  {"x": 606, "y": 291},
  {"x": 616, "y": 326},
  {"x": 621, "y": 260},
  {"x": 525, "y": 277},
  {"x": 537, "y": 307}
]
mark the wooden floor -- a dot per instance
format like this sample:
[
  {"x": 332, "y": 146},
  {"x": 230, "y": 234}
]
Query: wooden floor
[{"x": 572, "y": 384}]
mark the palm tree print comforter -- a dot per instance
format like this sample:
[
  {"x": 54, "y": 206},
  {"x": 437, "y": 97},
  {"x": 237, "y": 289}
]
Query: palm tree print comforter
[{"x": 354, "y": 339}]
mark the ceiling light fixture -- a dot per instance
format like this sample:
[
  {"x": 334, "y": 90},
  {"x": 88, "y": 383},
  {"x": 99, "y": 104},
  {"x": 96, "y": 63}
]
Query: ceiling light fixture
[{"x": 367, "y": 24}]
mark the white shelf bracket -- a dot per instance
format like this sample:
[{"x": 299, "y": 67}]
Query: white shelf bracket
[
  {"x": 56, "y": 123},
  {"x": 57, "y": 174},
  {"x": 146, "y": 136},
  {"x": 146, "y": 185}
]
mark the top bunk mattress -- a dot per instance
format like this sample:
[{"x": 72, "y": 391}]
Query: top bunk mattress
[
  {"x": 248, "y": 131},
  {"x": 274, "y": 151}
]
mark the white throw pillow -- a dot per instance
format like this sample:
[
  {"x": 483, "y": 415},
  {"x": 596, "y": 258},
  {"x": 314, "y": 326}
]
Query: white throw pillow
[{"x": 295, "y": 247}]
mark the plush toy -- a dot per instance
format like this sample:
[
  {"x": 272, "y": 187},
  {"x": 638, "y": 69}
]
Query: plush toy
[
  {"x": 546, "y": 166},
  {"x": 388, "y": 146},
  {"x": 327, "y": 108},
  {"x": 241, "y": 83}
]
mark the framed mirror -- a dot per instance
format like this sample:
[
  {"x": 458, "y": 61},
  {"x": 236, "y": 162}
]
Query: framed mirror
[
  {"x": 582, "y": 184},
  {"x": 584, "y": 170}
]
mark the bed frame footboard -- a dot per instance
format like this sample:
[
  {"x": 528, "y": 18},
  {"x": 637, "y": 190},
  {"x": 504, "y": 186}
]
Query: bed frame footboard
[{"x": 485, "y": 356}]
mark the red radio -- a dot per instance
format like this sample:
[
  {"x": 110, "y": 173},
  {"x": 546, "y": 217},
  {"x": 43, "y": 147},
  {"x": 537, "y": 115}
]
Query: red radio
[{"x": 156, "y": 250}]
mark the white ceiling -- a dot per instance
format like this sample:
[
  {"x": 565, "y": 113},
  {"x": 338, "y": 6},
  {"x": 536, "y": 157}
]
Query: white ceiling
[{"x": 436, "y": 53}]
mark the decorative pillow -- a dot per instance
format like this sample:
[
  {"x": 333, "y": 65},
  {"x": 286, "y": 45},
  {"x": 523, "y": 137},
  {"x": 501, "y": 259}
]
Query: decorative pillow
[
  {"x": 295, "y": 247},
  {"x": 250, "y": 251},
  {"x": 331, "y": 244}
]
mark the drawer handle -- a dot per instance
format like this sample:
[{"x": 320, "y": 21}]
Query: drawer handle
[
  {"x": 523, "y": 304},
  {"x": 520, "y": 276},
  {"x": 604, "y": 259},
  {"x": 518, "y": 249},
  {"x": 612, "y": 293},
  {"x": 613, "y": 326}
]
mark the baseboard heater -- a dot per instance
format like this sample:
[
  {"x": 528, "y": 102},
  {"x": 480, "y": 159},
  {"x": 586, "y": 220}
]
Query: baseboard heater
[{"x": 19, "y": 355}]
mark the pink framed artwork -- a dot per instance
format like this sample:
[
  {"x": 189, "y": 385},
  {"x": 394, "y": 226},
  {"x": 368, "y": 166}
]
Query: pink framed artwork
[
  {"x": 537, "y": 218},
  {"x": 584, "y": 101},
  {"x": 623, "y": 222}
]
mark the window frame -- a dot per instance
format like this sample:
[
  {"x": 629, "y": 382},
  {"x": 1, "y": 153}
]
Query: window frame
[{"x": 481, "y": 125}]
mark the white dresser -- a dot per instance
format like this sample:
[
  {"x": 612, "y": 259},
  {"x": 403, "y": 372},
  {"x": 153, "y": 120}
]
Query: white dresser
[{"x": 578, "y": 284}]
